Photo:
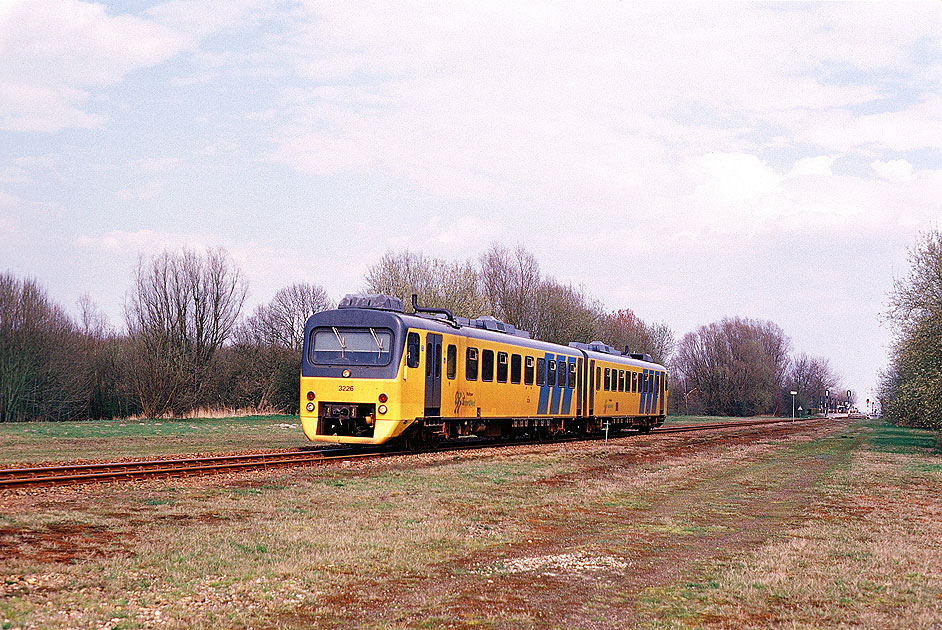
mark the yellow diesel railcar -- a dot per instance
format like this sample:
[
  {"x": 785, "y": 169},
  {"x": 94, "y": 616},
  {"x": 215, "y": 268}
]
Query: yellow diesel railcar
[{"x": 371, "y": 373}]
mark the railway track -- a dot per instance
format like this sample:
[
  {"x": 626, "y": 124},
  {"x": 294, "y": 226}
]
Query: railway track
[{"x": 66, "y": 474}]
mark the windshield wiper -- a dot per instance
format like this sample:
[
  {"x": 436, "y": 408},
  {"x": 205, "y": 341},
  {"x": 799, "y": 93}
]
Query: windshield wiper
[
  {"x": 343, "y": 345},
  {"x": 372, "y": 332}
]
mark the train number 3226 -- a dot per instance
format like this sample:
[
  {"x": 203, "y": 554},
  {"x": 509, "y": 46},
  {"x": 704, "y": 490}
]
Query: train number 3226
[{"x": 345, "y": 388}]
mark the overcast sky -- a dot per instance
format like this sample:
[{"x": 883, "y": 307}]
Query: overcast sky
[{"x": 686, "y": 161}]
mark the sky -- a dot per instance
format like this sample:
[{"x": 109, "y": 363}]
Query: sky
[{"x": 689, "y": 161}]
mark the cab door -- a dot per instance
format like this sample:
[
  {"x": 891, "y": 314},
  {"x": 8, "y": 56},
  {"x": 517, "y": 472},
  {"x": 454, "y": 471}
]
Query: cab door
[{"x": 433, "y": 375}]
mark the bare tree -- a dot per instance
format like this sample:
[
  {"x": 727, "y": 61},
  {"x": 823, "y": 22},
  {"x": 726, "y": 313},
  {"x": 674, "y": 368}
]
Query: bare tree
[
  {"x": 623, "y": 329},
  {"x": 281, "y": 321},
  {"x": 811, "y": 377},
  {"x": 511, "y": 281},
  {"x": 40, "y": 355},
  {"x": 564, "y": 314},
  {"x": 737, "y": 366},
  {"x": 182, "y": 309},
  {"x": 264, "y": 362},
  {"x": 438, "y": 283}
]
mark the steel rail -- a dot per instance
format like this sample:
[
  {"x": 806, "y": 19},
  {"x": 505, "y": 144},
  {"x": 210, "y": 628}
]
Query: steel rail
[{"x": 185, "y": 466}]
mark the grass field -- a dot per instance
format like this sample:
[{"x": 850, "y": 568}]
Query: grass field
[
  {"x": 34, "y": 442},
  {"x": 836, "y": 524},
  {"x": 116, "y": 439}
]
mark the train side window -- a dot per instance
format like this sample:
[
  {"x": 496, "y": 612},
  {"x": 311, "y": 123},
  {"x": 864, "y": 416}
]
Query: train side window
[
  {"x": 572, "y": 375},
  {"x": 598, "y": 379},
  {"x": 451, "y": 362},
  {"x": 608, "y": 377},
  {"x": 471, "y": 369},
  {"x": 515, "y": 369},
  {"x": 561, "y": 374},
  {"x": 528, "y": 371},
  {"x": 621, "y": 380},
  {"x": 540, "y": 371},
  {"x": 412, "y": 350},
  {"x": 634, "y": 382},
  {"x": 487, "y": 365},
  {"x": 551, "y": 373},
  {"x": 501, "y": 367},
  {"x": 438, "y": 360}
]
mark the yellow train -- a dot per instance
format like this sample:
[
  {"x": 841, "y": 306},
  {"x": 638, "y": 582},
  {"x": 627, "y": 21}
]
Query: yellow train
[{"x": 370, "y": 373}]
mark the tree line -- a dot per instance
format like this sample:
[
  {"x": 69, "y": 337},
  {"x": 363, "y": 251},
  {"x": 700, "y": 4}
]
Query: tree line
[
  {"x": 187, "y": 343},
  {"x": 911, "y": 387}
]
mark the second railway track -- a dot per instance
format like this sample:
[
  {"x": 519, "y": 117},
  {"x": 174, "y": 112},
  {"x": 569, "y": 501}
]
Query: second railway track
[{"x": 82, "y": 473}]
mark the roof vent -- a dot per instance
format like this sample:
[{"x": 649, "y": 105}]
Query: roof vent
[{"x": 372, "y": 301}]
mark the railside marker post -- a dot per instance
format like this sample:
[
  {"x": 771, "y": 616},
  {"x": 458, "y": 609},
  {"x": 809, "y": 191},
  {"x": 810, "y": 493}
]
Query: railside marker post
[
  {"x": 607, "y": 423},
  {"x": 793, "y": 393}
]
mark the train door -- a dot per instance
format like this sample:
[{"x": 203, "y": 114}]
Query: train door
[
  {"x": 580, "y": 388},
  {"x": 433, "y": 375},
  {"x": 662, "y": 388},
  {"x": 592, "y": 388}
]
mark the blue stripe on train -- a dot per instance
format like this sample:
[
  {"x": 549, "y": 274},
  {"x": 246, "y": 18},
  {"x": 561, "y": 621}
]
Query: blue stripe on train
[
  {"x": 567, "y": 393},
  {"x": 545, "y": 390},
  {"x": 644, "y": 395}
]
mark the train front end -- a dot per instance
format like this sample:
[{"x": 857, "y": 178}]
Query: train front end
[{"x": 351, "y": 389}]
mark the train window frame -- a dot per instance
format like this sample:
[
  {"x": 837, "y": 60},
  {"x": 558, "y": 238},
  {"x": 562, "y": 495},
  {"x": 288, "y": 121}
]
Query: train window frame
[
  {"x": 541, "y": 372},
  {"x": 516, "y": 362},
  {"x": 598, "y": 379},
  {"x": 528, "y": 370},
  {"x": 621, "y": 380},
  {"x": 501, "y": 367},
  {"x": 551, "y": 373},
  {"x": 561, "y": 374},
  {"x": 412, "y": 350},
  {"x": 471, "y": 364},
  {"x": 451, "y": 362},
  {"x": 634, "y": 382},
  {"x": 608, "y": 379},
  {"x": 487, "y": 365},
  {"x": 572, "y": 375}
]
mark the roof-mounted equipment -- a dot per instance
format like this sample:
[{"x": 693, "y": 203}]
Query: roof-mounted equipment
[{"x": 372, "y": 301}]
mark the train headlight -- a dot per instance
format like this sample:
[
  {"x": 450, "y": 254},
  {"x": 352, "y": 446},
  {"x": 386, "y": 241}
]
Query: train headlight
[
  {"x": 310, "y": 395},
  {"x": 381, "y": 409},
  {"x": 310, "y": 407},
  {"x": 383, "y": 398},
  {"x": 346, "y": 373}
]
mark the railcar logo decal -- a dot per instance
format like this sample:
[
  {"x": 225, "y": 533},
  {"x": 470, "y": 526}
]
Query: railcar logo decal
[{"x": 464, "y": 399}]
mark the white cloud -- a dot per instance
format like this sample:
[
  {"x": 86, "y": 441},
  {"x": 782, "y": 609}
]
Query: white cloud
[
  {"x": 54, "y": 54},
  {"x": 820, "y": 165},
  {"x": 894, "y": 170}
]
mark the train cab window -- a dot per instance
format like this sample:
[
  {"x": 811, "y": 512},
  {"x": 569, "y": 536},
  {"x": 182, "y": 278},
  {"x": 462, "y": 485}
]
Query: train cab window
[
  {"x": 515, "y": 369},
  {"x": 451, "y": 362},
  {"x": 412, "y": 350},
  {"x": 487, "y": 365},
  {"x": 621, "y": 380},
  {"x": 501, "y": 367},
  {"x": 540, "y": 371},
  {"x": 608, "y": 377},
  {"x": 561, "y": 371},
  {"x": 471, "y": 365},
  {"x": 598, "y": 379},
  {"x": 572, "y": 375},
  {"x": 551, "y": 373},
  {"x": 528, "y": 371}
]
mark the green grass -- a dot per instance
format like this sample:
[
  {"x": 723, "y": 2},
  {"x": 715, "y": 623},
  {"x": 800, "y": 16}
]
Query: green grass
[{"x": 106, "y": 439}]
